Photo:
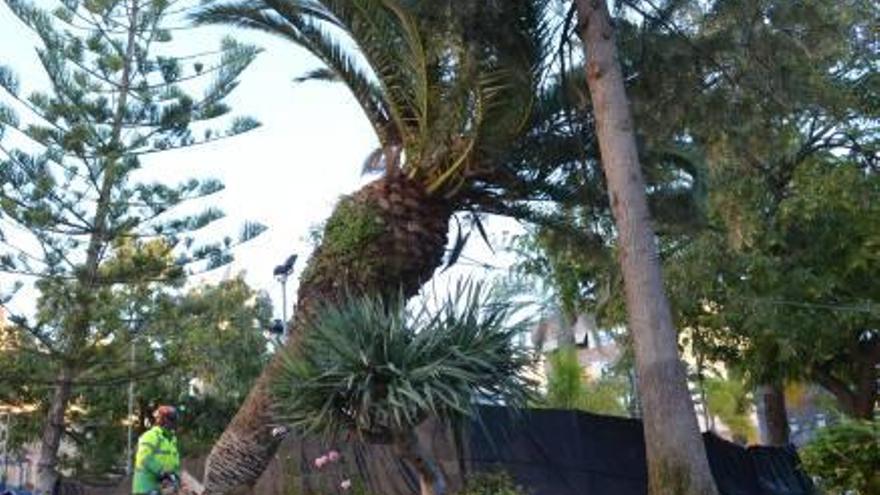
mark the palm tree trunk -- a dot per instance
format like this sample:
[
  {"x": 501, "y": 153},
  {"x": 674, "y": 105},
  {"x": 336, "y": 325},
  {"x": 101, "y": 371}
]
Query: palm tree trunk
[
  {"x": 53, "y": 431},
  {"x": 677, "y": 462},
  {"x": 390, "y": 236}
]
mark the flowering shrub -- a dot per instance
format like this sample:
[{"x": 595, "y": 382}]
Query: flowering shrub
[
  {"x": 328, "y": 458},
  {"x": 331, "y": 478}
]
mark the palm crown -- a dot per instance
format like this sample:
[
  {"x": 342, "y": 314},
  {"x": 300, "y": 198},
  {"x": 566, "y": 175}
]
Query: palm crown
[{"x": 445, "y": 95}]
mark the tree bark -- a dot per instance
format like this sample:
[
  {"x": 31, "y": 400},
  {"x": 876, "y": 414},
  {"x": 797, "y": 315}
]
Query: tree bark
[
  {"x": 53, "y": 431},
  {"x": 677, "y": 462},
  {"x": 431, "y": 480},
  {"x": 772, "y": 415},
  {"x": 867, "y": 379},
  {"x": 857, "y": 402},
  {"x": 400, "y": 257}
]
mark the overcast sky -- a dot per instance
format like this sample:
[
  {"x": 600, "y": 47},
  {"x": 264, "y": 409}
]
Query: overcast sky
[{"x": 287, "y": 174}]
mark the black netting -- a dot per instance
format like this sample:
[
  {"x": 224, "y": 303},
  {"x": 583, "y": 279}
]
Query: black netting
[{"x": 549, "y": 452}]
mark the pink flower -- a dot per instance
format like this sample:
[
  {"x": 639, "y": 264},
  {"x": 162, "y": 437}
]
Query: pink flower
[
  {"x": 321, "y": 461},
  {"x": 345, "y": 485},
  {"x": 333, "y": 456}
]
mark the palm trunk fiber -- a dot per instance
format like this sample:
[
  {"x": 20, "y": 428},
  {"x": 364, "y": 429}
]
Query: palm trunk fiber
[
  {"x": 677, "y": 462},
  {"x": 389, "y": 236}
]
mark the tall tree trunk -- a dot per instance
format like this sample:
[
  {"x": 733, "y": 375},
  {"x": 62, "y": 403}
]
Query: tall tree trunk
[
  {"x": 390, "y": 236},
  {"x": 859, "y": 399},
  {"x": 772, "y": 414},
  {"x": 565, "y": 331},
  {"x": 53, "y": 431},
  {"x": 677, "y": 462}
]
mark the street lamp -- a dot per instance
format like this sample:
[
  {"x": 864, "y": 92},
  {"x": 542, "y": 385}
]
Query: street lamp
[{"x": 281, "y": 273}]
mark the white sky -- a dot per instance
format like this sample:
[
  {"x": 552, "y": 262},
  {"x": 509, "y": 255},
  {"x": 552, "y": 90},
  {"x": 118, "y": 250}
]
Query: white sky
[{"x": 287, "y": 174}]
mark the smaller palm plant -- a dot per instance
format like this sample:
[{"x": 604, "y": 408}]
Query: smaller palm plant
[{"x": 378, "y": 369}]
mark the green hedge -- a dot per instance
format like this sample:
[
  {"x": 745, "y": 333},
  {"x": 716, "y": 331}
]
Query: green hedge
[{"x": 846, "y": 458}]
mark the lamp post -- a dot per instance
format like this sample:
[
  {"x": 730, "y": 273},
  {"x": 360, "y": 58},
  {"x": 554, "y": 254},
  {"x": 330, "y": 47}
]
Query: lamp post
[
  {"x": 281, "y": 273},
  {"x": 129, "y": 454},
  {"x": 134, "y": 326}
]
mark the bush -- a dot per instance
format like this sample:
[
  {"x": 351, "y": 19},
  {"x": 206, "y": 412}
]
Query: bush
[
  {"x": 499, "y": 483},
  {"x": 568, "y": 388},
  {"x": 845, "y": 458}
]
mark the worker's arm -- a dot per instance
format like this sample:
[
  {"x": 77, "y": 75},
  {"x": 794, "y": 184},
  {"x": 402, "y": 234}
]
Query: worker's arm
[
  {"x": 146, "y": 458},
  {"x": 175, "y": 470},
  {"x": 172, "y": 474}
]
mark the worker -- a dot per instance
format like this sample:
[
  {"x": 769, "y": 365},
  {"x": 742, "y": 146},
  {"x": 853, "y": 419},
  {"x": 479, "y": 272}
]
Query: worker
[{"x": 157, "y": 462}]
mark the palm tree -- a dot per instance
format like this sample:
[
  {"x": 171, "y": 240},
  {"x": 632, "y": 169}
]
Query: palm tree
[
  {"x": 449, "y": 90},
  {"x": 376, "y": 372}
]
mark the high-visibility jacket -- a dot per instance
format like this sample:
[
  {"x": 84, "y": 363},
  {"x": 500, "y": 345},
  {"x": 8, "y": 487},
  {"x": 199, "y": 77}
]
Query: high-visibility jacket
[{"x": 157, "y": 456}]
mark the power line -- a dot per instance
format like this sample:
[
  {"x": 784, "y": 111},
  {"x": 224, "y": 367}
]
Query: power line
[{"x": 867, "y": 307}]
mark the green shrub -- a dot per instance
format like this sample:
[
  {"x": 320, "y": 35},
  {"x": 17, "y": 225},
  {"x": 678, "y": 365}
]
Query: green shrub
[
  {"x": 846, "y": 458},
  {"x": 568, "y": 388},
  {"x": 565, "y": 383},
  {"x": 730, "y": 401},
  {"x": 499, "y": 483}
]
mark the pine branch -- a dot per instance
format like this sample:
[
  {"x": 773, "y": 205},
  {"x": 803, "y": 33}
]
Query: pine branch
[
  {"x": 20, "y": 251},
  {"x": 78, "y": 229},
  {"x": 56, "y": 251},
  {"x": 31, "y": 109},
  {"x": 63, "y": 91},
  {"x": 106, "y": 80},
  {"x": 150, "y": 87},
  {"x": 183, "y": 145},
  {"x": 139, "y": 375},
  {"x": 20, "y": 322}
]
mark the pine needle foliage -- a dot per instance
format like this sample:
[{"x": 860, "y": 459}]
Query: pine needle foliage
[{"x": 81, "y": 217}]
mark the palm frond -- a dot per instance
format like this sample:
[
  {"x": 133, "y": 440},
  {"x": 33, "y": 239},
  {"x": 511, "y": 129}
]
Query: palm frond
[
  {"x": 450, "y": 84},
  {"x": 319, "y": 74},
  {"x": 300, "y": 22},
  {"x": 375, "y": 162}
]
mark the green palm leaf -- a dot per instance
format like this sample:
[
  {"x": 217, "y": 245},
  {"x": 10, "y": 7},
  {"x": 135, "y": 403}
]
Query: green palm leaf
[{"x": 442, "y": 92}]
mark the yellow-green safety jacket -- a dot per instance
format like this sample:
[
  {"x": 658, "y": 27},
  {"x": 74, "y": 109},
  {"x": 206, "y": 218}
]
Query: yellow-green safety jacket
[{"x": 157, "y": 456}]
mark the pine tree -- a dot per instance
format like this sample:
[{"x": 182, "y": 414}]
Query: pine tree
[{"x": 77, "y": 215}]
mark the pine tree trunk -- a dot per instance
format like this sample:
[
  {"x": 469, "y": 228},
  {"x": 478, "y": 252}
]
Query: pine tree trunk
[
  {"x": 77, "y": 332},
  {"x": 390, "y": 236},
  {"x": 53, "y": 431},
  {"x": 772, "y": 414},
  {"x": 677, "y": 462}
]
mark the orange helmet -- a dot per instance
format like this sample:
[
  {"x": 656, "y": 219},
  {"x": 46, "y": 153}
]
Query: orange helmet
[{"x": 165, "y": 416}]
